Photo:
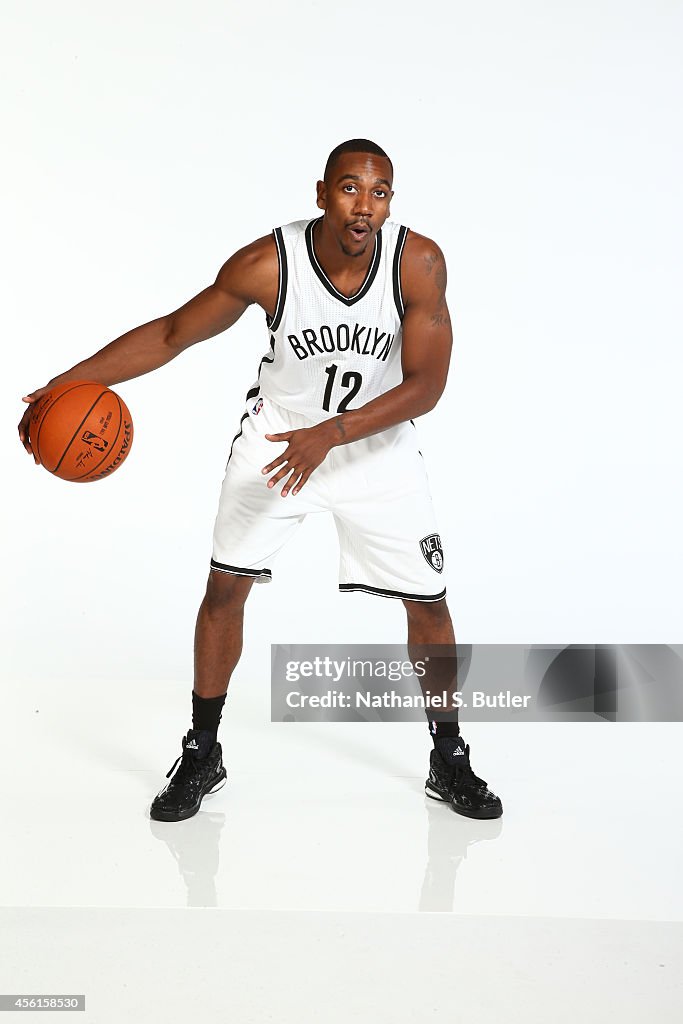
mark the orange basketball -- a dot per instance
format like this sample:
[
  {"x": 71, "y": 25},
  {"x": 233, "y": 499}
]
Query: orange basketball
[{"x": 81, "y": 431}]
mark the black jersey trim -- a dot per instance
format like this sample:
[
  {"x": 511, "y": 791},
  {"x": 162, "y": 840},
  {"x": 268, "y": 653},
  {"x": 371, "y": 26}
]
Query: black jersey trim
[
  {"x": 244, "y": 416},
  {"x": 256, "y": 387},
  {"x": 282, "y": 279},
  {"x": 237, "y": 570},
  {"x": 396, "y": 271},
  {"x": 252, "y": 393},
  {"x": 324, "y": 279},
  {"x": 267, "y": 358},
  {"x": 346, "y": 588}
]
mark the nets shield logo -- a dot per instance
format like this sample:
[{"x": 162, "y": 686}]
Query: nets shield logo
[{"x": 431, "y": 548}]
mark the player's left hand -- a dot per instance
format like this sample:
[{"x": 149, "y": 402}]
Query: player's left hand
[{"x": 306, "y": 449}]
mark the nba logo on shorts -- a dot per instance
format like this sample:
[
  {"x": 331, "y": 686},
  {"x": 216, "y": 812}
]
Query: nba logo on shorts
[
  {"x": 432, "y": 550},
  {"x": 257, "y": 408}
]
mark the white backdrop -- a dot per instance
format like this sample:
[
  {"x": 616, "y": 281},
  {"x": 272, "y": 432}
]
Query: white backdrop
[{"x": 539, "y": 143}]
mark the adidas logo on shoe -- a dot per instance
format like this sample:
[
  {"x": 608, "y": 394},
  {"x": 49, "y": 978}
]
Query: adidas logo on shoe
[
  {"x": 192, "y": 745},
  {"x": 458, "y": 751}
]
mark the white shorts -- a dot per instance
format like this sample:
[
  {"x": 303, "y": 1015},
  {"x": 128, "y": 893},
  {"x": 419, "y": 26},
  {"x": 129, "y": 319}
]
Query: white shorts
[{"x": 376, "y": 489}]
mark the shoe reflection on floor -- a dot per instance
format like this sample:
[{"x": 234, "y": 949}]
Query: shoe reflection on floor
[
  {"x": 194, "y": 845},
  {"x": 449, "y": 836}
]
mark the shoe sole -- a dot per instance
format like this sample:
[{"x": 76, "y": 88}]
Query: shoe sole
[
  {"x": 484, "y": 813},
  {"x": 184, "y": 815}
]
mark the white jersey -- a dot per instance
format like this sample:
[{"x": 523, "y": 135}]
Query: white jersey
[{"x": 329, "y": 353}]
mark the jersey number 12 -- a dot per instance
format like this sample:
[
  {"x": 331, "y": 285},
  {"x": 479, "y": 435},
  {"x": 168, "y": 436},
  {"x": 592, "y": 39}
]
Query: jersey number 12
[{"x": 351, "y": 379}]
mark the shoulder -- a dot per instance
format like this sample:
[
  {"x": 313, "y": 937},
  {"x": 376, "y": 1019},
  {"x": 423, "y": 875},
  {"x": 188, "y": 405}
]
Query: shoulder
[
  {"x": 421, "y": 254},
  {"x": 251, "y": 270},
  {"x": 296, "y": 227},
  {"x": 423, "y": 267},
  {"x": 260, "y": 253}
]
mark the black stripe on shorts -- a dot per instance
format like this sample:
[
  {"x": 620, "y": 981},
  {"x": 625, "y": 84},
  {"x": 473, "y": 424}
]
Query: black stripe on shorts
[
  {"x": 237, "y": 570},
  {"x": 346, "y": 588}
]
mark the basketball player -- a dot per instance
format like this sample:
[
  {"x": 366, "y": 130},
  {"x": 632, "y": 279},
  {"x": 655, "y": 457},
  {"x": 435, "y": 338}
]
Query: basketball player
[{"x": 359, "y": 345}]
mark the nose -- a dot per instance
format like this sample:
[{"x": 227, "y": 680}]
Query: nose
[{"x": 363, "y": 207}]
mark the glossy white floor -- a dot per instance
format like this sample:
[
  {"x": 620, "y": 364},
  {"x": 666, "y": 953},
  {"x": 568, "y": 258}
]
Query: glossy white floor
[{"x": 320, "y": 883}]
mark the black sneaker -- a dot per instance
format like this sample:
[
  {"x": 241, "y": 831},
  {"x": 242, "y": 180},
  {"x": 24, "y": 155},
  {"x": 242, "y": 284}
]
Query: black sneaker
[
  {"x": 452, "y": 780},
  {"x": 201, "y": 771}
]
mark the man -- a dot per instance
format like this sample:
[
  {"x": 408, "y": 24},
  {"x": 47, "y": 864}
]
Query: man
[{"x": 359, "y": 345}]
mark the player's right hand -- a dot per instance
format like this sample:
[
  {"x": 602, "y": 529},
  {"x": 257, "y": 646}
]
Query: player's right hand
[{"x": 24, "y": 421}]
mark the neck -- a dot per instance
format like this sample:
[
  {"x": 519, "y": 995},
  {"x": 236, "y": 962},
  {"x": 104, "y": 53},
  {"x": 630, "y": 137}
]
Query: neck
[{"x": 332, "y": 257}]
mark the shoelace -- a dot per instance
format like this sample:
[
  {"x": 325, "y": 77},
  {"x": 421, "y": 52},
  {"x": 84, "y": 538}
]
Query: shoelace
[
  {"x": 464, "y": 776},
  {"x": 187, "y": 761}
]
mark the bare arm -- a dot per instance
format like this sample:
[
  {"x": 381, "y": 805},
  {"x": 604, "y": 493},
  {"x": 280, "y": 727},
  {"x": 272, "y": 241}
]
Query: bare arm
[{"x": 249, "y": 276}]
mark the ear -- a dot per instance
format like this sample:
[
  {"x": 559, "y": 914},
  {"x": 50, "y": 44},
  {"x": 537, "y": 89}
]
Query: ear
[{"x": 321, "y": 190}]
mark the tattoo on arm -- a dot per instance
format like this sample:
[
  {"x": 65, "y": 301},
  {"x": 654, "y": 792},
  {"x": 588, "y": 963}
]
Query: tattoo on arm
[
  {"x": 440, "y": 317},
  {"x": 430, "y": 260},
  {"x": 340, "y": 427}
]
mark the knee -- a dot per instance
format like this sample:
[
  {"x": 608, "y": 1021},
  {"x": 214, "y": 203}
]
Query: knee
[
  {"x": 428, "y": 613},
  {"x": 224, "y": 591}
]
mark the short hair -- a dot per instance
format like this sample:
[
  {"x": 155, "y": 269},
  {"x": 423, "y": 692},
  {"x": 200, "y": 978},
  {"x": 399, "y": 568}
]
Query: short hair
[{"x": 354, "y": 146}]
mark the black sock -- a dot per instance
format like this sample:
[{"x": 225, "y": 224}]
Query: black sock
[
  {"x": 206, "y": 713},
  {"x": 442, "y": 730}
]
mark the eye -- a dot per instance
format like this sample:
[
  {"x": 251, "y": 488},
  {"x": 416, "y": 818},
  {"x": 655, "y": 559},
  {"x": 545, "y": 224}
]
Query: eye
[
  {"x": 346, "y": 187},
  {"x": 380, "y": 192}
]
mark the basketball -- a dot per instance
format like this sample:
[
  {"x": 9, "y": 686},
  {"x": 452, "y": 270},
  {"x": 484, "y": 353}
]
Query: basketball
[{"x": 81, "y": 431}]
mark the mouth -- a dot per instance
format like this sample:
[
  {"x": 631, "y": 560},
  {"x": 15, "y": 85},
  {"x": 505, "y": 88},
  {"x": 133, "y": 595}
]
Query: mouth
[{"x": 359, "y": 232}]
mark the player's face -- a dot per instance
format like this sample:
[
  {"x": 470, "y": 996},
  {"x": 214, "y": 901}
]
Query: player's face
[{"x": 356, "y": 200}]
